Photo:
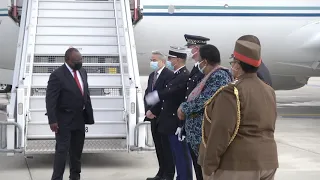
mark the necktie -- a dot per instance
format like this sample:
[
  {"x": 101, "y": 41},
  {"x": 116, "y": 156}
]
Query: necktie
[
  {"x": 154, "y": 79},
  {"x": 77, "y": 80}
]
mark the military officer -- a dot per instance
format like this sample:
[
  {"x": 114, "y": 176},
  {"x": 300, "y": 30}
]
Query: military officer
[
  {"x": 263, "y": 72},
  {"x": 168, "y": 122},
  {"x": 193, "y": 43},
  {"x": 239, "y": 123}
]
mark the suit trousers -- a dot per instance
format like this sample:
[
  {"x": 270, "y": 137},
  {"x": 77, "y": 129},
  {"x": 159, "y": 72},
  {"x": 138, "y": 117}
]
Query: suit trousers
[
  {"x": 241, "y": 175},
  {"x": 163, "y": 151},
  {"x": 182, "y": 158},
  {"x": 196, "y": 166},
  {"x": 69, "y": 139}
]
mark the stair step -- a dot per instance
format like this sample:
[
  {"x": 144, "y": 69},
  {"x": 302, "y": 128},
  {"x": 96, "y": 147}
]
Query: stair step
[
  {"x": 39, "y": 80},
  {"x": 87, "y": 40},
  {"x": 90, "y": 146},
  {"x": 100, "y": 93},
  {"x": 85, "y": 59},
  {"x": 37, "y": 116},
  {"x": 98, "y": 102},
  {"x": 77, "y": 5},
  {"x": 84, "y": 49},
  {"x": 77, "y": 22},
  {"x": 81, "y": 1},
  {"x": 100, "y": 115},
  {"x": 79, "y": 31},
  {"x": 78, "y": 14},
  {"x": 98, "y": 130}
]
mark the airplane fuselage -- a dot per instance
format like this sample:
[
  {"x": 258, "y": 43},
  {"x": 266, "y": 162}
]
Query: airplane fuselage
[
  {"x": 8, "y": 42},
  {"x": 289, "y": 33}
]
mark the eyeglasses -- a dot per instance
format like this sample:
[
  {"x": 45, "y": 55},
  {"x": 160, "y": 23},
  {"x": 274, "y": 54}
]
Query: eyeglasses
[{"x": 233, "y": 62}]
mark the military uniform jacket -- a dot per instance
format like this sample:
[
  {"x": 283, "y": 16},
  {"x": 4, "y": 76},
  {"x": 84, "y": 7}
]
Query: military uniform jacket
[
  {"x": 172, "y": 96},
  {"x": 194, "y": 78},
  {"x": 238, "y": 128}
]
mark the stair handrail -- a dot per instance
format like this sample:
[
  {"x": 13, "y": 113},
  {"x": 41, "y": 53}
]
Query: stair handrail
[
  {"x": 133, "y": 51},
  {"x": 132, "y": 88},
  {"x": 124, "y": 90},
  {"x": 140, "y": 110},
  {"x": 30, "y": 56},
  {"x": 19, "y": 67},
  {"x": 21, "y": 48}
]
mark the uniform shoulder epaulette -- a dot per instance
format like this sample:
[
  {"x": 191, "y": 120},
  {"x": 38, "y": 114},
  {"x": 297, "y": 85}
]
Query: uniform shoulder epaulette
[
  {"x": 226, "y": 87},
  {"x": 235, "y": 81},
  {"x": 214, "y": 95},
  {"x": 232, "y": 87}
]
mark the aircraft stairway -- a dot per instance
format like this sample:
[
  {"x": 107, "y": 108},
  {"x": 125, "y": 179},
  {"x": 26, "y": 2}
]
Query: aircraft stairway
[{"x": 102, "y": 31}]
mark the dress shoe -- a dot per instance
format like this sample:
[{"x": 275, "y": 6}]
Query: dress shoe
[{"x": 155, "y": 178}]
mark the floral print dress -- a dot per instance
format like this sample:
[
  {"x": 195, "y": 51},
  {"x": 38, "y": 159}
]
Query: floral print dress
[{"x": 194, "y": 110}]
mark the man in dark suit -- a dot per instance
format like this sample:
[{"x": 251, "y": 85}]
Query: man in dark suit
[
  {"x": 264, "y": 74},
  {"x": 157, "y": 81},
  {"x": 168, "y": 122},
  {"x": 69, "y": 108}
]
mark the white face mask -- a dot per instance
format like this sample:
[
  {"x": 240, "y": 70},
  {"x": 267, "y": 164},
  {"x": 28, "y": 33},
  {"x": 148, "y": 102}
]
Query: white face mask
[
  {"x": 233, "y": 71},
  {"x": 190, "y": 54}
]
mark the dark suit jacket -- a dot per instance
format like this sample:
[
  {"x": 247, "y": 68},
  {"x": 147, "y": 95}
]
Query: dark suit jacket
[
  {"x": 172, "y": 96},
  {"x": 64, "y": 101},
  {"x": 164, "y": 77},
  {"x": 264, "y": 74}
]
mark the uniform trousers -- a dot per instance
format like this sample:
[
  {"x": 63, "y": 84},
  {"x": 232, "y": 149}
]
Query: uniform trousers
[
  {"x": 165, "y": 156},
  {"x": 196, "y": 166},
  {"x": 182, "y": 158},
  {"x": 241, "y": 175}
]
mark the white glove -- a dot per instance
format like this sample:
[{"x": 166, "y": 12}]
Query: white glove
[
  {"x": 152, "y": 98},
  {"x": 179, "y": 134}
]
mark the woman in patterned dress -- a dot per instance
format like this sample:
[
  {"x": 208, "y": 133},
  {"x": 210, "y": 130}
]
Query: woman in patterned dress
[{"x": 192, "y": 111}]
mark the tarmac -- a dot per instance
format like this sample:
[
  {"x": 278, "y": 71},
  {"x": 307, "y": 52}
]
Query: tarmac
[{"x": 297, "y": 132}]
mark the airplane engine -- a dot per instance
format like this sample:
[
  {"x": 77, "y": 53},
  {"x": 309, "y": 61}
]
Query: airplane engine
[{"x": 288, "y": 82}]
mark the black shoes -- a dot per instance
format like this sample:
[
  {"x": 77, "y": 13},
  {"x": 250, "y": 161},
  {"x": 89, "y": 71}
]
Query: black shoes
[{"x": 155, "y": 178}]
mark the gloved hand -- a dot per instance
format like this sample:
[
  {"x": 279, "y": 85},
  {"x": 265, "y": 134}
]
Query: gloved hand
[{"x": 179, "y": 134}]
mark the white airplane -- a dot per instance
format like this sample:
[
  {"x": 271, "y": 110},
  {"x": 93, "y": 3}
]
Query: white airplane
[
  {"x": 9, "y": 31},
  {"x": 289, "y": 31}
]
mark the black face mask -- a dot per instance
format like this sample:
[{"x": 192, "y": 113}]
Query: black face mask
[{"x": 77, "y": 65}]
